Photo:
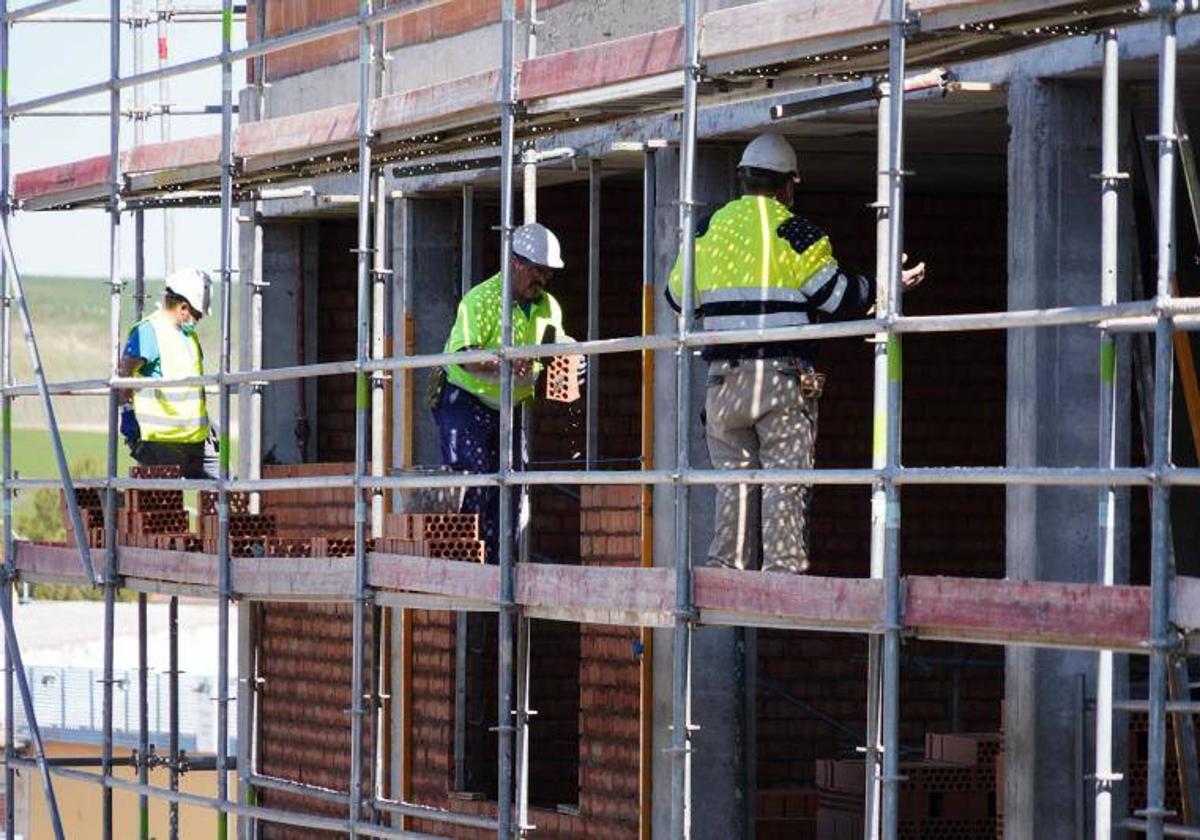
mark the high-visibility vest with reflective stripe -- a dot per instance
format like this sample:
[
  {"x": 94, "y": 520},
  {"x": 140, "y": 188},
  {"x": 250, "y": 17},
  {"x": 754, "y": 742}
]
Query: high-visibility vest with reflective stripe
[
  {"x": 477, "y": 326},
  {"x": 173, "y": 415},
  {"x": 759, "y": 266}
]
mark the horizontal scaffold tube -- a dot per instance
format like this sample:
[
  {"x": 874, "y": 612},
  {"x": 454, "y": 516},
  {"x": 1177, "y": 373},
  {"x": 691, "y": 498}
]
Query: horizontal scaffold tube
[{"x": 971, "y": 322}]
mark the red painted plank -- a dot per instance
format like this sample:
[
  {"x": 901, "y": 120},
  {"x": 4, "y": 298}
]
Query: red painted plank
[
  {"x": 298, "y": 132},
  {"x": 174, "y": 154},
  {"x": 1068, "y": 614},
  {"x": 640, "y": 595},
  {"x": 436, "y": 102},
  {"x": 451, "y": 578},
  {"x": 840, "y": 603},
  {"x": 606, "y": 63},
  {"x": 64, "y": 177}
]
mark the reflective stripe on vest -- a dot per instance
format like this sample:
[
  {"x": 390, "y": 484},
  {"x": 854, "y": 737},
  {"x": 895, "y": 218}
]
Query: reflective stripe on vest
[
  {"x": 749, "y": 275},
  {"x": 173, "y": 415}
]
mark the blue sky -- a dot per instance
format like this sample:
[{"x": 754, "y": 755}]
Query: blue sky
[{"x": 52, "y": 57}]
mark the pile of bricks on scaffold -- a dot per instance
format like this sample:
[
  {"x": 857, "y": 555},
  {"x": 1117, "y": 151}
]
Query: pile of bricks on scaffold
[
  {"x": 786, "y": 814},
  {"x": 148, "y": 514},
  {"x": 447, "y": 536},
  {"x": 949, "y": 795},
  {"x": 248, "y": 532},
  {"x": 91, "y": 512},
  {"x": 313, "y": 546}
]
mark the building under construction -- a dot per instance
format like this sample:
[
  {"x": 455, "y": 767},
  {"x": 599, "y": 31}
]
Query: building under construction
[{"x": 993, "y": 636}]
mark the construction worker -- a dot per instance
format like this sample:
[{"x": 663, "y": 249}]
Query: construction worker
[
  {"x": 170, "y": 425},
  {"x": 466, "y": 398},
  {"x": 758, "y": 265}
]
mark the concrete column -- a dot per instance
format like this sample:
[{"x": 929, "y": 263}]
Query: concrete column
[
  {"x": 289, "y": 335},
  {"x": 718, "y": 768},
  {"x": 426, "y": 265},
  {"x": 1052, "y": 418}
]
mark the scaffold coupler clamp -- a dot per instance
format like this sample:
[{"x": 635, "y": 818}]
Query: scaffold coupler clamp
[{"x": 1105, "y": 782}]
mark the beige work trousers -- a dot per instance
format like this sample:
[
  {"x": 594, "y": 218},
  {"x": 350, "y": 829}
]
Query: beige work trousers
[{"x": 761, "y": 413}]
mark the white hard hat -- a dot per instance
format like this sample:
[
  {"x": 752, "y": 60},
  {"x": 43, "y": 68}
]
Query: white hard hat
[
  {"x": 194, "y": 286},
  {"x": 537, "y": 244},
  {"x": 771, "y": 152}
]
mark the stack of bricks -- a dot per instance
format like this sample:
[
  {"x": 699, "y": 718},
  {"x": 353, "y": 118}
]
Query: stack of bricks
[
  {"x": 1138, "y": 763},
  {"x": 327, "y": 512},
  {"x": 91, "y": 512},
  {"x": 248, "y": 533},
  {"x": 150, "y": 515},
  {"x": 951, "y": 794},
  {"x": 610, "y": 674},
  {"x": 447, "y": 536}
]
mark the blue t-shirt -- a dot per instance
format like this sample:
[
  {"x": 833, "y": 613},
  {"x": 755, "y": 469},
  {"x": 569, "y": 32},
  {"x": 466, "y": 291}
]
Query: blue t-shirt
[{"x": 143, "y": 344}]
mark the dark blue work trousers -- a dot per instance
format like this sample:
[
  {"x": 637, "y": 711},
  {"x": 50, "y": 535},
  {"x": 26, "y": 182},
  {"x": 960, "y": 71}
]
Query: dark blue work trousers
[{"x": 470, "y": 438}]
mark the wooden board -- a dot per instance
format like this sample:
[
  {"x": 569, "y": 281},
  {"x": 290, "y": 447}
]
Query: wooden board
[
  {"x": 308, "y": 130},
  {"x": 174, "y": 154},
  {"x": 451, "y": 578},
  {"x": 88, "y": 173},
  {"x": 595, "y": 595},
  {"x": 598, "y": 65},
  {"x": 846, "y": 604},
  {"x": 440, "y": 104}
]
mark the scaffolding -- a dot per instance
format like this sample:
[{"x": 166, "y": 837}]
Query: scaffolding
[{"x": 1106, "y": 617}]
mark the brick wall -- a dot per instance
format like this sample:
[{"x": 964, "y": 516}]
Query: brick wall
[
  {"x": 337, "y": 330},
  {"x": 303, "y": 729},
  {"x": 439, "y": 20},
  {"x": 610, "y": 674},
  {"x": 954, "y": 413}
]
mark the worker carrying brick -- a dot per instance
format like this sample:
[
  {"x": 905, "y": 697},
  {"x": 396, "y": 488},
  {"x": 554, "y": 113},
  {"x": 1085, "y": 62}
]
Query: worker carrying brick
[
  {"x": 760, "y": 265},
  {"x": 170, "y": 425},
  {"x": 465, "y": 398}
]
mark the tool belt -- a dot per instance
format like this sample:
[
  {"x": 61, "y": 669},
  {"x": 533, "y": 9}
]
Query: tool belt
[{"x": 812, "y": 382}]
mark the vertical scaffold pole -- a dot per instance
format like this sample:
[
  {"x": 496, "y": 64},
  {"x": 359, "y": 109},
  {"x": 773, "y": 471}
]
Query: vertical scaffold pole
[
  {"x": 1109, "y": 208},
  {"x": 592, "y": 407},
  {"x": 883, "y": 234},
  {"x": 173, "y": 715},
  {"x": 165, "y": 11},
  {"x": 110, "y": 493},
  {"x": 362, "y": 414},
  {"x": 681, "y": 677},
  {"x": 139, "y": 279},
  {"x": 10, "y": 560},
  {"x": 890, "y": 689},
  {"x": 1161, "y": 573},
  {"x": 224, "y": 411},
  {"x": 646, "y": 665},
  {"x": 507, "y": 603}
]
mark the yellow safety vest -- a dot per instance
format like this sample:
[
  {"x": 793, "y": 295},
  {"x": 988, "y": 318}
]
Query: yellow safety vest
[
  {"x": 478, "y": 326},
  {"x": 758, "y": 266},
  {"x": 173, "y": 415}
]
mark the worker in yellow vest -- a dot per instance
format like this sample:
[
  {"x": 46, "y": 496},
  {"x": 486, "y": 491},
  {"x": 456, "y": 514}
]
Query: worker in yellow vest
[
  {"x": 170, "y": 425},
  {"x": 760, "y": 265},
  {"x": 466, "y": 398}
]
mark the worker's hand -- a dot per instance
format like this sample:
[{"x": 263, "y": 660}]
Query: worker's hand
[{"x": 910, "y": 277}]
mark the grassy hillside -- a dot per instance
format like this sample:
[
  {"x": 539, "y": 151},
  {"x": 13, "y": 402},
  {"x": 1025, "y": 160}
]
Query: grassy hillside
[{"x": 71, "y": 323}]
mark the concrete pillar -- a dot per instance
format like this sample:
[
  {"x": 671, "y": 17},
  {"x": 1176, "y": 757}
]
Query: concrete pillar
[
  {"x": 425, "y": 260},
  {"x": 1052, "y": 420},
  {"x": 289, "y": 335},
  {"x": 718, "y": 768}
]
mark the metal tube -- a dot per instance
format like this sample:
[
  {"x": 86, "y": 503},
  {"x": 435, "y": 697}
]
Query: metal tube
[
  {"x": 507, "y": 602},
  {"x": 362, "y": 414},
  {"x": 592, "y": 425},
  {"x": 379, "y": 275},
  {"x": 225, "y": 808},
  {"x": 1161, "y": 574},
  {"x": 1109, "y": 210},
  {"x": 646, "y": 665},
  {"x": 265, "y": 47},
  {"x": 874, "y": 748},
  {"x": 890, "y": 688},
  {"x": 467, "y": 267},
  {"x": 255, "y": 326},
  {"x": 110, "y": 496},
  {"x": 681, "y": 735},
  {"x": 162, "y": 8},
  {"x": 173, "y": 714},
  {"x": 33, "y": 9},
  {"x": 223, "y": 560},
  {"x": 10, "y": 565}
]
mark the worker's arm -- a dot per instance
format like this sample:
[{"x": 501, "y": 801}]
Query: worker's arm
[
  {"x": 674, "y": 290},
  {"x": 128, "y": 366},
  {"x": 831, "y": 292}
]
